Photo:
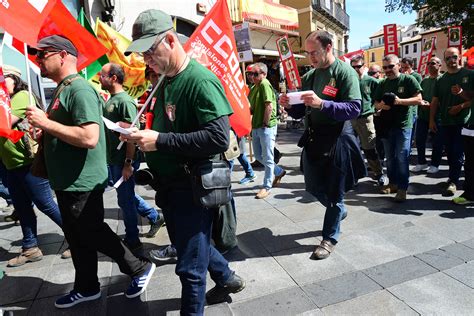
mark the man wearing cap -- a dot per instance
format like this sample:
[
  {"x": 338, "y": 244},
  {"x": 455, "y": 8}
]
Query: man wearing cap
[
  {"x": 191, "y": 124},
  {"x": 75, "y": 158}
]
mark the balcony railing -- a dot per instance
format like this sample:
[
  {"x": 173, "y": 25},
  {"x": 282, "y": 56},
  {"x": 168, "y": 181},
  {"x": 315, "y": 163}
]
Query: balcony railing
[{"x": 332, "y": 10}]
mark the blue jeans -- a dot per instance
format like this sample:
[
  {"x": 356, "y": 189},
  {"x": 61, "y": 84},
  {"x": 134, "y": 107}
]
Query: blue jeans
[
  {"x": 422, "y": 129},
  {"x": 335, "y": 209},
  {"x": 25, "y": 189},
  {"x": 189, "y": 227},
  {"x": 131, "y": 203},
  {"x": 452, "y": 140},
  {"x": 397, "y": 151},
  {"x": 263, "y": 142},
  {"x": 4, "y": 193}
]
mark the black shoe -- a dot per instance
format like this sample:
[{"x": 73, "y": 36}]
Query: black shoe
[
  {"x": 256, "y": 164},
  {"x": 136, "y": 248},
  {"x": 219, "y": 294},
  {"x": 155, "y": 227}
]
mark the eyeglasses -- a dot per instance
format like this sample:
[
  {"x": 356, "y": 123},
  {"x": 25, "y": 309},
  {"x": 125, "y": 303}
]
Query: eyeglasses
[
  {"x": 448, "y": 58},
  {"x": 254, "y": 74},
  {"x": 104, "y": 75},
  {"x": 357, "y": 66},
  {"x": 41, "y": 54},
  {"x": 432, "y": 63},
  {"x": 371, "y": 73},
  {"x": 388, "y": 67},
  {"x": 150, "y": 50},
  {"x": 313, "y": 53}
]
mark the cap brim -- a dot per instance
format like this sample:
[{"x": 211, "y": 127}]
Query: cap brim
[{"x": 141, "y": 45}]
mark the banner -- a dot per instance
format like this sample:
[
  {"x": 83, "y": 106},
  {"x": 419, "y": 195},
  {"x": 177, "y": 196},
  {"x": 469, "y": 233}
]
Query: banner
[
  {"x": 426, "y": 54},
  {"x": 390, "y": 37},
  {"x": 270, "y": 12},
  {"x": 133, "y": 65},
  {"x": 5, "y": 113},
  {"x": 213, "y": 45},
  {"x": 455, "y": 37},
  {"x": 347, "y": 57},
  {"x": 242, "y": 40},
  {"x": 289, "y": 63}
]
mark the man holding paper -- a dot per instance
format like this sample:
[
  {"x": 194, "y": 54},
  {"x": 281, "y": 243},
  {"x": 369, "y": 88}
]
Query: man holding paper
[
  {"x": 332, "y": 161},
  {"x": 124, "y": 161}
]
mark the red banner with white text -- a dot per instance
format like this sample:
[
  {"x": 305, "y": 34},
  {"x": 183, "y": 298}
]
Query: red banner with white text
[
  {"x": 289, "y": 63},
  {"x": 390, "y": 39},
  {"x": 213, "y": 45},
  {"x": 347, "y": 57},
  {"x": 426, "y": 54}
]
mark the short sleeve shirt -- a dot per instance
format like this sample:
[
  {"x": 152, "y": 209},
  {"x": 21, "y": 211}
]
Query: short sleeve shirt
[
  {"x": 15, "y": 155},
  {"x": 120, "y": 107},
  {"x": 405, "y": 86},
  {"x": 368, "y": 85},
  {"x": 72, "y": 168},
  {"x": 185, "y": 102},
  {"x": 339, "y": 78},
  {"x": 428, "y": 86},
  {"x": 463, "y": 78},
  {"x": 258, "y": 96}
]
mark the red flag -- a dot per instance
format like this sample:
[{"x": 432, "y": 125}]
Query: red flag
[
  {"x": 5, "y": 113},
  {"x": 347, "y": 57},
  {"x": 23, "y": 20},
  {"x": 213, "y": 45},
  {"x": 289, "y": 63},
  {"x": 426, "y": 54}
]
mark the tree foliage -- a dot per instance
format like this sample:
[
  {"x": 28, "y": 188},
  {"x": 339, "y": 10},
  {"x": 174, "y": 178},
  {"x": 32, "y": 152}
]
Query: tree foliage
[{"x": 440, "y": 13}]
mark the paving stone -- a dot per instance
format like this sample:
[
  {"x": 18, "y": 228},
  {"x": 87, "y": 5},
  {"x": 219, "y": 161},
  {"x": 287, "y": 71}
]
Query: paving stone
[
  {"x": 262, "y": 218},
  {"x": 459, "y": 250},
  {"x": 21, "y": 286},
  {"x": 456, "y": 230},
  {"x": 45, "y": 307},
  {"x": 375, "y": 303},
  {"x": 290, "y": 301},
  {"x": 439, "y": 259},
  {"x": 340, "y": 288},
  {"x": 399, "y": 271},
  {"x": 222, "y": 309},
  {"x": 469, "y": 243},
  {"x": 463, "y": 273},
  {"x": 20, "y": 308},
  {"x": 303, "y": 212},
  {"x": 120, "y": 305},
  {"x": 436, "y": 294},
  {"x": 314, "y": 312}
]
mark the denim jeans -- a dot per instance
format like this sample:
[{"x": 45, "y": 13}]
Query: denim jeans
[
  {"x": 189, "y": 228},
  {"x": 26, "y": 189},
  {"x": 263, "y": 142},
  {"x": 422, "y": 129},
  {"x": 397, "y": 151},
  {"x": 453, "y": 142},
  {"x": 4, "y": 193},
  {"x": 131, "y": 203},
  {"x": 469, "y": 168}
]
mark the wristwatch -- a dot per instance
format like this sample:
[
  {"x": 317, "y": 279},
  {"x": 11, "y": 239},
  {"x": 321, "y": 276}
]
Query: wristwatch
[{"x": 128, "y": 161}]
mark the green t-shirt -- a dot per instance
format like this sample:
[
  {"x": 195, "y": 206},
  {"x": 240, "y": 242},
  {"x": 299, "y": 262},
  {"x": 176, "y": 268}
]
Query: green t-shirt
[
  {"x": 71, "y": 168},
  {"x": 405, "y": 86},
  {"x": 185, "y": 102},
  {"x": 464, "y": 78},
  {"x": 340, "y": 78},
  {"x": 417, "y": 76},
  {"x": 15, "y": 155},
  {"x": 259, "y": 94},
  {"x": 368, "y": 85},
  {"x": 120, "y": 107},
  {"x": 428, "y": 86}
]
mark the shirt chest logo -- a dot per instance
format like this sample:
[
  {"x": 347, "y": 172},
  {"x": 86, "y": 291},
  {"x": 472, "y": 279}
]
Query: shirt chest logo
[
  {"x": 465, "y": 79},
  {"x": 110, "y": 108},
  {"x": 367, "y": 89},
  {"x": 55, "y": 105},
  {"x": 171, "y": 112},
  {"x": 401, "y": 89},
  {"x": 330, "y": 90}
]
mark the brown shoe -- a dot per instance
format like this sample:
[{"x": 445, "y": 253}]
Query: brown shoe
[
  {"x": 66, "y": 254},
  {"x": 389, "y": 188},
  {"x": 323, "y": 250},
  {"x": 401, "y": 196},
  {"x": 277, "y": 179},
  {"x": 263, "y": 193},
  {"x": 26, "y": 255}
]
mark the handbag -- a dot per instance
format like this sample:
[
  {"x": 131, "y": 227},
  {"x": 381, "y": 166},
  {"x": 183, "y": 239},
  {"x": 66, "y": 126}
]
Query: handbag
[
  {"x": 211, "y": 183},
  {"x": 38, "y": 167}
]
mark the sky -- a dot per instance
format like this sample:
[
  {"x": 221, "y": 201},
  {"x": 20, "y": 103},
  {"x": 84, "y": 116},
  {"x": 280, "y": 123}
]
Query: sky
[{"x": 369, "y": 16}]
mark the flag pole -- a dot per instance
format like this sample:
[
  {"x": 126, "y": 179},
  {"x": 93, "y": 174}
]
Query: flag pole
[{"x": 28, "y": 76}]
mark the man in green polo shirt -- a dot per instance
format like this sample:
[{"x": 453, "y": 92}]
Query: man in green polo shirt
[
  {"x": 396, "y": 94},
  {"x": 263, "y": 107},
  {"x": 364, "y": 124},
  {"x": 191, "y": 124},
  {"x": 451, "y": 104},
  {"x": 75, "y": 156}
]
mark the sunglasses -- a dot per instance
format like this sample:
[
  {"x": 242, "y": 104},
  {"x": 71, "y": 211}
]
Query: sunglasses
[
  {"x": 41, "y": 54},
  {"x": 357, "y": 66},
  {"x": 371, "y": 73},
  {"x": 451, "y": 57},
  {"x": 432, "y": 63},
  {"x": 254, "y": 74},
  {"x": 388, "y": 67}
]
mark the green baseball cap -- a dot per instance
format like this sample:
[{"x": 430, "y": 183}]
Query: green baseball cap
[{"x": 147, "y": 27}]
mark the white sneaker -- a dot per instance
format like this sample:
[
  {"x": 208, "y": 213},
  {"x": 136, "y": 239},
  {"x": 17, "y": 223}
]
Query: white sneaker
[
  {"x": 419, "y": 168},
  {"x": 432, "y": 169}
]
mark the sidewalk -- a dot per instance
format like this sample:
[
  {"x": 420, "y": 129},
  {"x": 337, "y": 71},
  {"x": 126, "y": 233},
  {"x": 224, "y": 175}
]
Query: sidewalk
[{"x": 411, "y": 258}]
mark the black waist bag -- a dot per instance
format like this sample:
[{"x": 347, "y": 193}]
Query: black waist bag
[{"x": 211, "y": 183}]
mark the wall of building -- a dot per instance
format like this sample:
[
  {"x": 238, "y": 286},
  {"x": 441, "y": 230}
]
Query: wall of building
[
  {"x": 412, "y": 50},
  {"x": 374, "y": 56}
]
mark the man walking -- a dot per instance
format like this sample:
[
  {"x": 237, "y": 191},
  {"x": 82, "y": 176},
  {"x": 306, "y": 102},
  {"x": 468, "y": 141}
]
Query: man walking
[
  {"x": 191, "y": 124},
  {"x": 75, "y": 157},
  {"x": 263, "y": 107},
  {"x": 122, "y": 163}
]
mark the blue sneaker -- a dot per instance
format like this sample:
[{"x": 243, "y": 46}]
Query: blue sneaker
[
  {"x": 74, "y": 298},
  {"x": 139, "y": 283},
  {"x": 248, "y": 179}
]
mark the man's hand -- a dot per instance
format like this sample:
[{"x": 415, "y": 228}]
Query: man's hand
[
  {"x": 127, "y": 171},
  {"x": 311, "y": 99},
  {"x": 381, "y": 106},
  {"x": 425, "y": 104},
  {"x": 456, "y": 89},
  {"x": 454, "y": 110},
  {"x": 284, "y": 101},
  {"x": 36, "y": 117},
  {"x": 433, "y": 127},
  {"x": 144, "y": 139}
]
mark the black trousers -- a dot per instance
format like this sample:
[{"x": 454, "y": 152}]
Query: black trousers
[
  {"x": 83, "y": 225},
  {"x": 468, "y": 167}
]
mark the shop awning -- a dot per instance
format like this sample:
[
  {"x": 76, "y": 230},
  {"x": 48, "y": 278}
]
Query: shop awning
[
  {"x": 271, "y": 12},
  {"x": 271, "y": 52}
]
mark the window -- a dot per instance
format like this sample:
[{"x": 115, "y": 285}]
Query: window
[
  {"x": 406, "y": 50},
  {"x": 380, "y": 40},
  {"x": 415, "y": 47},
  {"x": 372, "y": 57},
  {"x": 415, "y": 66}
]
